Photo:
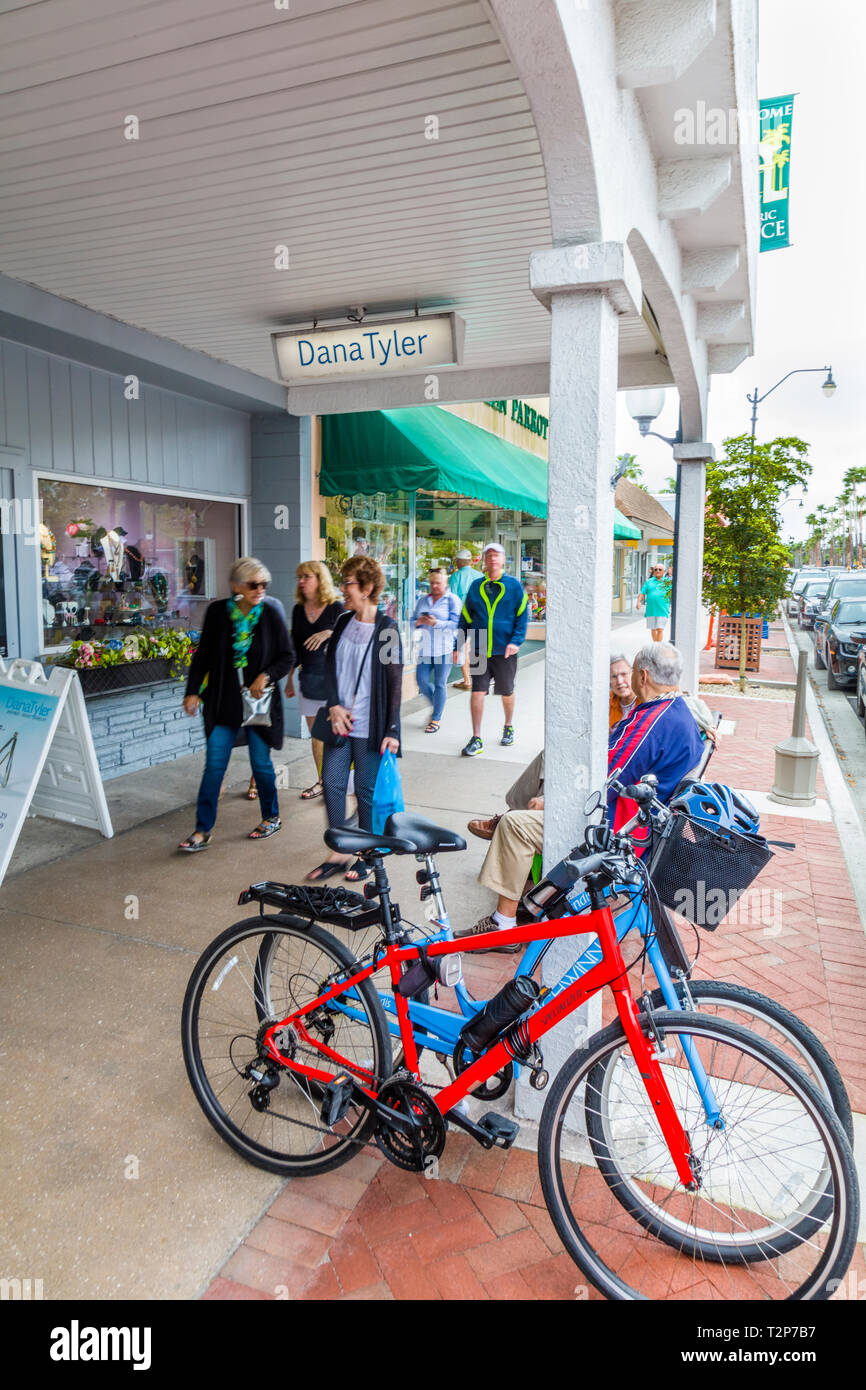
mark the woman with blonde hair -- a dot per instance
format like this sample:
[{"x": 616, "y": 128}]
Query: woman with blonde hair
[
  {"x": 244, "y": 642},
  {"x": 313, "y": 618}
]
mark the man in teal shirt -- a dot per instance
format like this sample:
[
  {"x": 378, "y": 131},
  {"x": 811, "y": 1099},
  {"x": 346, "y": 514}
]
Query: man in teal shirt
[
  {"x": 460, "y": 582},
  {"x": 655, "y": 594}
]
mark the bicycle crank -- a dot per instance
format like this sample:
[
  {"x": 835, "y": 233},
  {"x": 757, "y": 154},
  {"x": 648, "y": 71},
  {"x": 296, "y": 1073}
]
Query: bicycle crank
[{"x": 412, "y": 1148}]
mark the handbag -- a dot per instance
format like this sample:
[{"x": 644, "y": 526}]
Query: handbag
[
  {"x": 313, "y": 684},
  {"x": 322, "y": 729},
  {"x": 256, "y": 712}
]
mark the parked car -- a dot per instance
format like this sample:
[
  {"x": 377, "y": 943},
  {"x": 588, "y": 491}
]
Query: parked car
[
  {"x": 848, "y": 584},
  {"x": 837, "y": 642},
  {"x": 811, "y": 597},
  {"x": 792, "y": 605}
]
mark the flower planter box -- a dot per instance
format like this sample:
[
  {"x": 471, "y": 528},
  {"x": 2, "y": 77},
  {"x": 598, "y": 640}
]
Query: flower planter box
[{"x": 99, "y": 680}]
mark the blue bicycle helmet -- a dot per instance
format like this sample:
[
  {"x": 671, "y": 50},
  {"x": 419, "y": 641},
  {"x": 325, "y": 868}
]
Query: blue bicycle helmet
[{"x": 714, "y": 804}]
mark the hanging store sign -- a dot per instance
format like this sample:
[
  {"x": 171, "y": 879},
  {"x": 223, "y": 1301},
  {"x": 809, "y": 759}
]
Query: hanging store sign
[
  {"x": 523, "y": 414},
  {"x": 370, "y": 348},
  {"x": 774, "y": 152}
]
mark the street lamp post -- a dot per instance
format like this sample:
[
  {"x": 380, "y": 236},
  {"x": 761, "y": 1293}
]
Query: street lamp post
[
  {"x": 828, "y": 387},
  {"x": 644, "y": 407}
]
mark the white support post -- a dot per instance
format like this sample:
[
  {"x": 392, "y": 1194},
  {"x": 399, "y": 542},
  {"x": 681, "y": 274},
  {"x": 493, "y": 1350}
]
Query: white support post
[
  {"x": 691, "y": 461},
  {"x": 585, "y": 287}
]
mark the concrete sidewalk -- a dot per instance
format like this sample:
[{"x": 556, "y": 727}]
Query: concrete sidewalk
[{"x": 115, "y": 1185}]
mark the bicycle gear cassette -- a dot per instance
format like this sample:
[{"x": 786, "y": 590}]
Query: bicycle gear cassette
[
  {"x": 491, "y": 1089},
  {"x": 427, "y": 1138}
]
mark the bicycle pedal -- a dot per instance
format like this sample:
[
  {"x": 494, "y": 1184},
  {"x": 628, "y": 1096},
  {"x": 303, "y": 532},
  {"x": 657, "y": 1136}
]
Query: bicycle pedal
[
  {"x": 336, "y": 1099},
  {"x": 503, "y": 1132}
]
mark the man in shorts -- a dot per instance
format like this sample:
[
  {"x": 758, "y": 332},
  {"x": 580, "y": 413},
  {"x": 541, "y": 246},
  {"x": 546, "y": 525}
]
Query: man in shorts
[{"x": 493, "y": 619}]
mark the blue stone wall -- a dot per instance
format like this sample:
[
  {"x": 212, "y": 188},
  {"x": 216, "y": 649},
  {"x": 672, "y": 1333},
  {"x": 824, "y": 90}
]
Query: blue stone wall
[{"x": 136, "y": 728}]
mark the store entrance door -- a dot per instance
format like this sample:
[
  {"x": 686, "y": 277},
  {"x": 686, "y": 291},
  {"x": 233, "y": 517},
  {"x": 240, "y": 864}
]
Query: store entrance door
[{"x": 510, "y": 542}]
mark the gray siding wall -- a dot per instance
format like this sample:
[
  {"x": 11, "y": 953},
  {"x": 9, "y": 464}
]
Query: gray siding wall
[
  {"x": 62, "y": 417},
  {"x": 281, "y": 512}
]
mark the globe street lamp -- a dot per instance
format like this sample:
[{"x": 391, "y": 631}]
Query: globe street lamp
[
  {"x": 644, "y": 407},
  {"x": 828, "y": 387}
]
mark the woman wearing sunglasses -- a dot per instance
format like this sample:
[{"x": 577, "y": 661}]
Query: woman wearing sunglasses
[
  {"x": 244, "y": 642},
  {"x": 363, "y": 684}
]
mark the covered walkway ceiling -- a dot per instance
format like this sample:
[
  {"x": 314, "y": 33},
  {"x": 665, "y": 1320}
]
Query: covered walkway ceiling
[{"x": 262, "y": 127}]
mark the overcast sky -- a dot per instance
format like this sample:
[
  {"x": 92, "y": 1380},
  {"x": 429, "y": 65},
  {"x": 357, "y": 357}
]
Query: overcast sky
[{"x": 811, "y": 295}]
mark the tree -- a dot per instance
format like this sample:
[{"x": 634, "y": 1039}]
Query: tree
[
  {"x": 670, "y": 486},
  {"x": 744, "y": 557},
  {"x": 632, "y": 470}
]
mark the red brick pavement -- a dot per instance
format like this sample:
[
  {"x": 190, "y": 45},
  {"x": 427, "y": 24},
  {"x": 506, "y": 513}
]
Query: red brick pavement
[{"x": 370, "y": 1231}]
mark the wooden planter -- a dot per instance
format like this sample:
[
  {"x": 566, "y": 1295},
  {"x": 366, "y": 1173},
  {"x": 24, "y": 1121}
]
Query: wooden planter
[
  {"x": 728, "y": 643},
  {"x": 96, "y": 680}
]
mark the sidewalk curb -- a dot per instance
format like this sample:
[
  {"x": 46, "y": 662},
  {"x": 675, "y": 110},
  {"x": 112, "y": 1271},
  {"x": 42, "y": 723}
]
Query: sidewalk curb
[{"x": 841, "y": 802}]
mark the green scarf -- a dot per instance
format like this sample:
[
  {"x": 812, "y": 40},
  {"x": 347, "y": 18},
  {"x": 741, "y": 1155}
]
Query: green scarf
[{"x": 243, "y": 627}]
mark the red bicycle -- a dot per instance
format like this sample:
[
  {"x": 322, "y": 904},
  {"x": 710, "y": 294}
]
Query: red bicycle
[{"x": 680, "y": 1155}]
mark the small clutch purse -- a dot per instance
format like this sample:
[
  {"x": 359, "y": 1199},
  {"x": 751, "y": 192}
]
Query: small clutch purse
[{"x": 256, "y": 712}]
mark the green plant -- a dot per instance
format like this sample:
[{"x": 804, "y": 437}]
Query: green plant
[
  {"x": 139, "y": 645},
  {"x": 744, "y": 557}
]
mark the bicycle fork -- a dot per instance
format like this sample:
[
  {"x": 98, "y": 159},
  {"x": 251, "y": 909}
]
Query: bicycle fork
[{"x": 656, "y": 1088}]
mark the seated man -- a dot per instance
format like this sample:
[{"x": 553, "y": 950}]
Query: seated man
[{"x": 660, "y": 735}]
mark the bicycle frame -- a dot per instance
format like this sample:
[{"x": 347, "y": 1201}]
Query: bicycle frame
[{"x": 555, "y": 1004}]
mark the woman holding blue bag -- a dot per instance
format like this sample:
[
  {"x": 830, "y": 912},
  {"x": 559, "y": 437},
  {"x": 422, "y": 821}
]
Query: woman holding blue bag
[{"x": 360, "y": 720}]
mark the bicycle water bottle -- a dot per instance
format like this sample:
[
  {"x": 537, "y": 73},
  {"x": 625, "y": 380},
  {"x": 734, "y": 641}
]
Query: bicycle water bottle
[{"x": 506, "y": 1006}]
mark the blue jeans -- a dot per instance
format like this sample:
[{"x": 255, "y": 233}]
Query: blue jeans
[
  {"x": 436, "y": 690},
  {"x": 219, "y": 747}
]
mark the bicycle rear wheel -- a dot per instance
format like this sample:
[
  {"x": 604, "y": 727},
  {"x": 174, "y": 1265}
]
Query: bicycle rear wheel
[
  {"x": 225, "y": 1008},
  {"x": 779, "y": 1026},
  {"x": 778, "y": 1161}
]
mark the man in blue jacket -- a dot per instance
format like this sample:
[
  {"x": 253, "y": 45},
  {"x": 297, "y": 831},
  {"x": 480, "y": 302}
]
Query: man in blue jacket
[{"x": 494, "y": 618}]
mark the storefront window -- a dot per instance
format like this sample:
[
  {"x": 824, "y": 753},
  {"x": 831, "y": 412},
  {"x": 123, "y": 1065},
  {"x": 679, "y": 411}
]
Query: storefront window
[
  {"x": 114, "y": 558},
  {"x": 376, "y": 525}
]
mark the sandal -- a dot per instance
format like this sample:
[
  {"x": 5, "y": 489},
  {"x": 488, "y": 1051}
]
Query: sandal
[
  {"x": 315, "y": 790},
  {"x": 432, "y": 727},
  {"x": 191, "y": 845},
  {"x": 252, "y": 794},
  {"x": 358, "y": 871},
  {"x": 326, "y": 870},
  {"x": 264, "y": 829}
]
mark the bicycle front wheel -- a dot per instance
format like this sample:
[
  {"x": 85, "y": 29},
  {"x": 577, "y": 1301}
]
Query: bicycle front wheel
[
  {"x": 775, "y": 1160},
  {"x": 228, "y": 1003}
]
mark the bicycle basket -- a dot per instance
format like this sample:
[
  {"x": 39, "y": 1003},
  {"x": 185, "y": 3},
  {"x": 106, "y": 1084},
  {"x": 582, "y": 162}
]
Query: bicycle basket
[{"x": 700, "y": 872}]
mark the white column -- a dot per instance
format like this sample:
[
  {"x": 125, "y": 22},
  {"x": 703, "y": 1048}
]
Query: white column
[
  {"x": 691, "y": 460},
  {"x": 585, "y": 287}
]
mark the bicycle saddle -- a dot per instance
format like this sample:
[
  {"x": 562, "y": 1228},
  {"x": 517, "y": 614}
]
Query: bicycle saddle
[
  {"x": 345, "y": 840},
  {"x": 429, "y": 838}
]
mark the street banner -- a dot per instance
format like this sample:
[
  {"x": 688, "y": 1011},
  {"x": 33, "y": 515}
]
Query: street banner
[
  {"x": 774, "y": 152},
  {"x": 48, "y": 764}
]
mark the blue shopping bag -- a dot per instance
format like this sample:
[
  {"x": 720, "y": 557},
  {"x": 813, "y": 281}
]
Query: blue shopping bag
[{"x": 387, "y": 793}]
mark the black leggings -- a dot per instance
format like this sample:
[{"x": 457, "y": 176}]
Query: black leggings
[{"x": 335, "y": 778}]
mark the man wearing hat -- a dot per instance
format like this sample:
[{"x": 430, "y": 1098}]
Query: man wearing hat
[
  {"x": 460, "y": 582},
  {"x": 494, "y": 617}
]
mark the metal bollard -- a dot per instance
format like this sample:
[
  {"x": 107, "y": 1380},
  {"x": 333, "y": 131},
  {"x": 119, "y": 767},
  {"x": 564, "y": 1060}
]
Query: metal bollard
[{"x": 796, "y": 757}]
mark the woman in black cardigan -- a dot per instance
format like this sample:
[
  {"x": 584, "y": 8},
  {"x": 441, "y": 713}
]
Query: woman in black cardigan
[
  {"x": 241, "y": 634},
  {"x": 363, "y": 684}
]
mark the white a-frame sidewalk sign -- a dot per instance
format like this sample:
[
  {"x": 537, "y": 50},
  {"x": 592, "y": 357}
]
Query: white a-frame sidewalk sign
[{"x": 48, "y": 763}]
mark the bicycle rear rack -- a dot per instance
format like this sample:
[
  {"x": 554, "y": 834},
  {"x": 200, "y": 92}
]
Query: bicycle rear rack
[{"x": 316, "y": 902}]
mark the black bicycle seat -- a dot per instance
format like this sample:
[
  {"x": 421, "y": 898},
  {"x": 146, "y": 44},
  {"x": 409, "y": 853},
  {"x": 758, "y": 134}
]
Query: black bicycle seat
[
  {"x": 430, "y": 838},
  {"x": 345, "y": 840}
]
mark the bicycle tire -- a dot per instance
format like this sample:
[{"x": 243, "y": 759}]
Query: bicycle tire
[
  {"x": 810, "y": 1053},
  {"x": 366, "y": 1035},
  {"x": 714, "y": 1263}
]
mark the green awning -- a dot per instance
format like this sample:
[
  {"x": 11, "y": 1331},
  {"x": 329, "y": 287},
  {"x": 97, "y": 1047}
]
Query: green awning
[
  {"x": 623, "y": 529},
  {"x": 425, "y": 447}
]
